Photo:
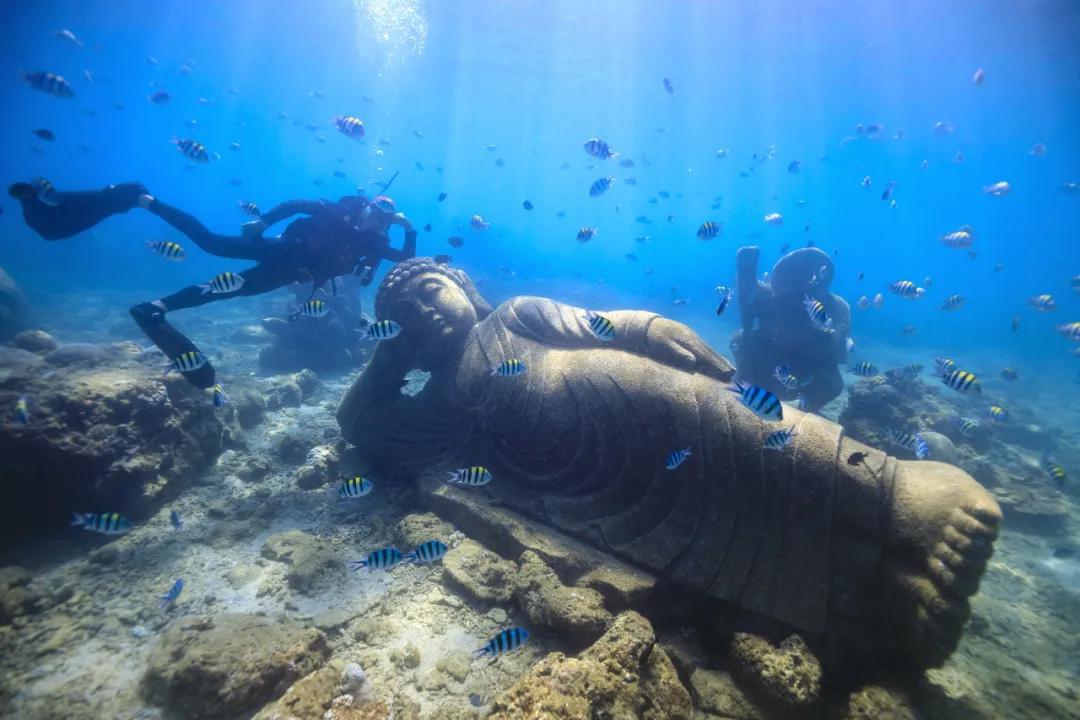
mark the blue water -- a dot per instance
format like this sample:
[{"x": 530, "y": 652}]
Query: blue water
[{"x": 536, "y": 79}]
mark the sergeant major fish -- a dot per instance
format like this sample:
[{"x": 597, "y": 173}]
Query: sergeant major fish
[
  {"x": 815, "y": 310},
  {"x": 709, "y": 230},
  {"x": 506, "y": 641},
  {"x": 601, "y": 185},
  {"x": 426, "y": 552},
  {"x": 312, "y": 309},
  {"x": 382, "y": 559},
  {"x": 600, "y": 325},
  {"x": 597, "y": 148},
  {"x": 223, "y": 284},
  {"x": 48, "y": 82},
  {"x": 104, "y": 523},
  {"x": 474, "y": 475},
  {"x": 675, "y": 458},
  {"x": 187, "y": 361},
  {"x": 910, "y": 441},
  {"x": 219, "y": 398},
  {"x": 509, "y": 368},
  {"x": 780, "y": 439},
  {"x": 788, "y": 379},
  {"x": 353, "y": 488},
  {"x": 762, "y": 402},
  {"x": 349, "y": 126},
  {"x": 168, "y": 250},
  {"x": 22, "y": 410},
  {"x": 383, "y": 330}
]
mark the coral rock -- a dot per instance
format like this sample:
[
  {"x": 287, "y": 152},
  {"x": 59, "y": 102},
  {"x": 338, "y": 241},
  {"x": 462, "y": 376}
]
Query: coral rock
[
  {"x": 17, "y": 597},
  {"x": 421, "y": 527},
  {"x": 874, "y": 702},
  {"x": 310, "y": 562},
  {"x": 480, "y": 573},
  {"x": 237, "y": 664},
  {"x": 786, "y": 676},
  {"x": 716, "y": 694},
  {"x": 624, "y": 675},
  {"x": 35, "y": 341},
  {"x": 576, "y": 612}
]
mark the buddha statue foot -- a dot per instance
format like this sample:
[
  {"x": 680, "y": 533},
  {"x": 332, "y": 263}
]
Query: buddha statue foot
[{"x": 943, "y": 528}]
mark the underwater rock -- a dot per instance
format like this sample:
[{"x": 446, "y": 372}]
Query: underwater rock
[
  {"x": 238, "y": 663},
  {"x": 717, "y": 696},
  {"x": 119, "y": 437},
  {"x": 510, "y": 534},
  {"x": 328, "y": 344},
  {"x": 310, "y": 697},
  {"x": 420, "y": 527},
  {"x": 250, "y": 407},
  {"x": 35, "y": 341},
  {"x": 777, "y": 331},
  {"x": 875, "y": 702},
  {"x": 879, "y": 556},
  {"x": 13, "y": 308},
  {"x": 350, "y": 707},
  {"x": 251, "y": 335},
  {"x": 320, "y": 467},
  {"x": 941, "y": 447},
  {"x": 77, "y": 354},
  {"x": 310, "y": 560},
  {"x": 625, "y": 674},
  {"x": 577, "y": 613},
  {"x": 786, "y": 677},
  {"x": 479, "y": 573},
  {"x": 17, "y": 596}
]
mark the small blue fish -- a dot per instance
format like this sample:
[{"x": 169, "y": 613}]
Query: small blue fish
[
  {"x": 429, "y": 551},
  {"x": 763, "y": 402},
  {"x": 668, "y": 86},
  {"x": 725, "y": 299},
  {"x": 506, "y": 641},
  {"x": 601, "y": 186},
  {"x": 174, "y": 593},
  {"x": 780, "y": 439},
  {"x": 22, "y": 410},
  {"x": 382, "y": 559},
  {"x": 220, "y": 398},
  {"x": 509, "y": 368},
  {"x": 676, "y": 458},
  {"x": 104, "y": 523},
  {"x": 175, "y": 520},
  {"x": 794, "y": 166},
  {"x": 383, "y": 330},
  {"x": 967, "y": 426}
]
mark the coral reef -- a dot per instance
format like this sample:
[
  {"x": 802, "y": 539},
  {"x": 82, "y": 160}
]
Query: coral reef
[
  {"x": 624, "y": 675},
  {"x": 578, "y": 613},
  {"x": 233, "y": 666},
  {"x": 309, "y": 560},
  {"x": 786, "y": 677},
  {"x": 107, "y": 432},
  {"x": 480, "y": 573}
]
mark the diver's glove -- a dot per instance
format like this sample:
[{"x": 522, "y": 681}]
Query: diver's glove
[{"x": 252, "y": 229}]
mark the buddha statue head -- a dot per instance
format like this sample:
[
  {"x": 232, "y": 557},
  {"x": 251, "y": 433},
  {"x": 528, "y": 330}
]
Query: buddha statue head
[{"x": 435, "y": 304}]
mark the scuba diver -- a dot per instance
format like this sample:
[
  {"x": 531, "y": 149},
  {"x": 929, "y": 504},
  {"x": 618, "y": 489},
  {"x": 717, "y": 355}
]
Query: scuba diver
[{"x": 349, "y": 236}]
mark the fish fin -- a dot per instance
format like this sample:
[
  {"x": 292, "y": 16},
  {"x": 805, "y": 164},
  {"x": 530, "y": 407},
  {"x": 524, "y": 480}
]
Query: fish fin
[
  {"x": 355, "y": 565},
  {"x": 687, "y": 451},
  {"x": 205, "y": 288},
  {"x": 78, "y": 519},
  {"x": 453, "y": 476},
  {"x": 477, "y": 654}
]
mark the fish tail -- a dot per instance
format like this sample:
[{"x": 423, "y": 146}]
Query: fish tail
[
  {"x": 477, "y": 654},
  {"x": 205, "y": 288},
  {"x": 494, "y": 370},
  {"x": 78, "y": 519},
  {"x": 410, "y": 557},
  {"x": 687, "y": 452},
  {"x": 452, "y": 476},
  {"x": 355, "y": 565}
]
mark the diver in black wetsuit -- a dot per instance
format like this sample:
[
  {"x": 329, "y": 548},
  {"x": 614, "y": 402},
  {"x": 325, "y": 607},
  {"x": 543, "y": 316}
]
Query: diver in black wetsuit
[{"x": 335, "y": 238}]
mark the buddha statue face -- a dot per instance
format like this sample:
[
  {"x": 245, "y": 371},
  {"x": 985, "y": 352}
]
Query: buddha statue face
[{"x": 437, "y": 313}]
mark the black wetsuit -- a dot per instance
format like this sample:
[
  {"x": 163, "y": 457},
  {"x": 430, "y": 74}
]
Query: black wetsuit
[{"x": 325, "y": 244}]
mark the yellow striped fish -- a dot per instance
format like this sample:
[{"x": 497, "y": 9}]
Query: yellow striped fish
[{"x": 961, "y": 380}]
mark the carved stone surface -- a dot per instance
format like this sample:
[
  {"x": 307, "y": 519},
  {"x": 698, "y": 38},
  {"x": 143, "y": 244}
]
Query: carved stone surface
[{"x": 882, "y": 552}]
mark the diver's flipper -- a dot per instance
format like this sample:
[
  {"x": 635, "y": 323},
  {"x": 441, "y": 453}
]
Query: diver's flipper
[
  {"x": 74, "y": 211},
  {"x": 151, "y": 319}
]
